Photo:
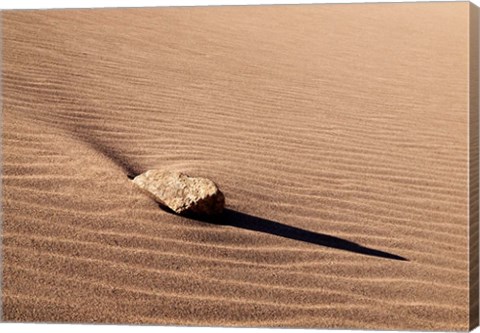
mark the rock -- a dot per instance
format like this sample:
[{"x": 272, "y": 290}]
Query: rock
[{"x": 181, "y": 193}]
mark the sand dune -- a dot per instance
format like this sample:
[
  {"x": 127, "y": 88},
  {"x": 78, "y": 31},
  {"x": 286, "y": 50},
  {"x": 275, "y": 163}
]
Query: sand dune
[{"x": 337, "y": 133}]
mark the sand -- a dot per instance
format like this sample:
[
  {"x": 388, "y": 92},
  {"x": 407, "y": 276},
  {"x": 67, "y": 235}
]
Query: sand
[{"x": 338, "y": 133}]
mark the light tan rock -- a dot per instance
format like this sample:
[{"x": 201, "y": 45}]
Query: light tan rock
[{"x": 181, "y": 193}]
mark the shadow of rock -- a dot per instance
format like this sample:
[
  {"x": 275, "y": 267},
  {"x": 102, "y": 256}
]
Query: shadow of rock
[{"x": 245, "y": 221}]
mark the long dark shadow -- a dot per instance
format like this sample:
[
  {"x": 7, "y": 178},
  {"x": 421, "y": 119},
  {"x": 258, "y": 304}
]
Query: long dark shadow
[{"x": 245, "y": 221}]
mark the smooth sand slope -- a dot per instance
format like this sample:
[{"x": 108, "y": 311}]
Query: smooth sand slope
[{"x": 338, "y": 134}]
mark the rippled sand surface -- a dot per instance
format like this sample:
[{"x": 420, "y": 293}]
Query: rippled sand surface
[{"x": 338, "y": 133}]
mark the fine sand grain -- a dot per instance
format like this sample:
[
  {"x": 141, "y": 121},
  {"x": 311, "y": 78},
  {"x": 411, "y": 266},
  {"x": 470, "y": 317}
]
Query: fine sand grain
[{"x": 338, "y": 134}]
